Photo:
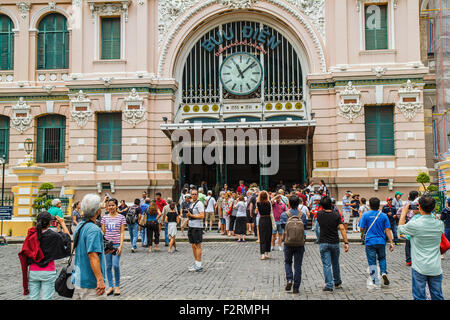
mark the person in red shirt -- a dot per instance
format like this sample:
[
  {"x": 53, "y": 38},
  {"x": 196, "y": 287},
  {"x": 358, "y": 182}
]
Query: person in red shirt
[
  {"x": 242, "y": 189},
  {"x": 160, "y": 203}
]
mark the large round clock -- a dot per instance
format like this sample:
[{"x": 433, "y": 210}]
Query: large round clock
[{"x": 241, "y": 73}]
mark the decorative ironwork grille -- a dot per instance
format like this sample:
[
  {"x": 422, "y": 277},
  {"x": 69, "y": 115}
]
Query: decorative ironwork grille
[{"x": 282, "y": 79}]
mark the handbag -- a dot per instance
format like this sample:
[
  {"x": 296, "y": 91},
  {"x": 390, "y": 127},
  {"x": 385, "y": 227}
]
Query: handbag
[
  {"x": 63, "y": 284},
  {"x": 272, "y": 218},
  {"x": 230, "y": 210},
  {"x": 445, "y": 244},
  {"x": 143, "y": 220}
]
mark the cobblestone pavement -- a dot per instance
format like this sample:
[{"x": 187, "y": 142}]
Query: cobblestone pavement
[{"x": 234, "y": 271}]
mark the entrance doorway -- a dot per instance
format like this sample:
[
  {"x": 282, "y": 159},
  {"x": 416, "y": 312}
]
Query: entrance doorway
[{"x": 292, "y": 169}]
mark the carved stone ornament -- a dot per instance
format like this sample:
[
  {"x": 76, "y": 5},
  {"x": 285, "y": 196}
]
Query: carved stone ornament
[
  {"x": 52, "y": 5},
  {"x": 170, "y": 10},
  {"x": 106, "y": 81},
  {"x": 109, "y": 9},
  {"x": 24, "y": 9},
  {"x": 22, "y": 119},
  {"x": 350, "y": 106},
  {"x": 81, "y": 111},
  {"x": 409, "y": 103},
  {"x": 134, "y": 112},
  {"x": 379, "y": 71}
]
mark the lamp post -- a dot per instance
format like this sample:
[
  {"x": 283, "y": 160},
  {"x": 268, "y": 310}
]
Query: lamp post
[{"x": 29, "y": 149}]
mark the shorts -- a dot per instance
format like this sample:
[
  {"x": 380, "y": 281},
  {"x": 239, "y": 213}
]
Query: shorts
[
  {"x": 250, "y": 219},
  {"x": 184, "y": 222},
  {"x": 172, "y": 229},
  {"x": 222, "y": 221},
  {"x": 346, "y": 216},
  {"x": 210, "y": 216},
  {"x": 280, "y": 228},
  {"x": 195, "y": 235}
]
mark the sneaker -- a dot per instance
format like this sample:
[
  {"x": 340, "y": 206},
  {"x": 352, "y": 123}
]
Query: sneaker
[
  {"x": 133, "y": 250},
  {"x": 338, "y": 285},
  {"x": 280, "y": 249},
  {"x": 239, "y": 240},
  {"x": 385, "y": 279},
  {"x": 326, "y": 289},
  {"x": 408, "y": 264},
  {"x": 288, "y": 286},
  {"x": 271, "y": 248},
  {"x": 372, "y": 286},
  {"x": 442, "y": 257},
  {"x": 295, "y": 290},
  {"x": 199, "y": 269},
  {"x": 192, "y": 268}
]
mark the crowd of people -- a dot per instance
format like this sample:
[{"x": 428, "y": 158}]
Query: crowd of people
[{"x": 278, "y": 219}]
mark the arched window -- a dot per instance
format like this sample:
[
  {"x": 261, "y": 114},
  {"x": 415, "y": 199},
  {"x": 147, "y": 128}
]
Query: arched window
[
  {"x": 53, "y": 42},
  {"x": 4, "y": 136},
  {"x": 51, "y": 133},
  {"x": 6, "y": 43}
]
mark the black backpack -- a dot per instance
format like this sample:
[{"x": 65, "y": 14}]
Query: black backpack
[{"x": 131, "y": 216}]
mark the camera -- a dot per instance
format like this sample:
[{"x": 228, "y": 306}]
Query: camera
[
  {"x": 109, "y": 246},
  {"x": 413, "y": 205}
]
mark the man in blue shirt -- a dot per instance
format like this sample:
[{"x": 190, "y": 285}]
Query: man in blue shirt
[
  {"x": 291, "y": 252},
  {"x": 376, "y": 226},
  {"x": 89, "y": 267}
]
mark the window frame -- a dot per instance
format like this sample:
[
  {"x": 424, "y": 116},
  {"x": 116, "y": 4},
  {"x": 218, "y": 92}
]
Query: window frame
[
  {"x": 40, "y": 153},
  {"x": 387, "y": 26},
  {"x": 100, "y": 38},
  {"x": 6, "y": 136},
  {"x": 65, "y": 50},
  {"x": 378, "y": 138},
  {"x": 10, "y": 43},
  {"x": 110, "y": 152}
]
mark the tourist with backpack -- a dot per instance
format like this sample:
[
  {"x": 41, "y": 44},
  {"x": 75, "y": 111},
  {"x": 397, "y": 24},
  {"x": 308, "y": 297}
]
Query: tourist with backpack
[
  {"x": 294, "y": 238},
  {"x": 241, "y": 189},
  {"x": 132, "y": 218}
]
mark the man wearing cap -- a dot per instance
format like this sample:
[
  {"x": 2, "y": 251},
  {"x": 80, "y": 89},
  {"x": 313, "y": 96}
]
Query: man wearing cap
[
  {"x": 391, "y": 212},
  {"x": 346, "y": 208},
  {"x": 184, "y": 210},
  {"x": 397, "y": 202}
]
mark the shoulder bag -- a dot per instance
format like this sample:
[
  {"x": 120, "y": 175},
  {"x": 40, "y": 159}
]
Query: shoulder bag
[
  {"x": 366, "y": 232},
  {"x": 272, "y": 218},
  {"x": 63, "y": 284}
]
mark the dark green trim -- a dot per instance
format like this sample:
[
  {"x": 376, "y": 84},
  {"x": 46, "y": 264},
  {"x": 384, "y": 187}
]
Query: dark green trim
[{"x": 34, "y": 98}]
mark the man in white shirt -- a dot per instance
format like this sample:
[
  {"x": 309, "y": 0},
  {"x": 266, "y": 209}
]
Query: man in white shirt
[
  {"x": 210, "y": 210},
  {"x": 195, "y": 233}
]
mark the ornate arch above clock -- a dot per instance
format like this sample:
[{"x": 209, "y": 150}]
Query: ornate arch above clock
[{"x": 205, "y": 69}]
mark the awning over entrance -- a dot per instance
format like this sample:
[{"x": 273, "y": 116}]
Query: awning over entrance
[{"x": 290, "y": 132}]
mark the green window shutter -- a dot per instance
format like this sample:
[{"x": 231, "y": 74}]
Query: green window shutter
[
  {"x": 4, "y": 137},
  {"x": 109, "y": 136},
  {"x": 53, "y": 42},
  {"x": 110, "y": 38},
  {"x": 51, "y": 133},
  {"x": 376, "y": 38},
  {"x": 6, "y": 43},
  {"x": 379, "y": 123}
]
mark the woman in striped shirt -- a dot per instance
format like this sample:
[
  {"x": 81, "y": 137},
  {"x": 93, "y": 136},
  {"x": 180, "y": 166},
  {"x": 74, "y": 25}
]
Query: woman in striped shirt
[{"x": 113, "y": 228}]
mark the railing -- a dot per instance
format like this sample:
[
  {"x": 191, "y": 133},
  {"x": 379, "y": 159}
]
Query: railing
[
  {"x": 56, "y": 75},
  {"x": 7, "y": 76},
  {"x": 7, "y": 201}
]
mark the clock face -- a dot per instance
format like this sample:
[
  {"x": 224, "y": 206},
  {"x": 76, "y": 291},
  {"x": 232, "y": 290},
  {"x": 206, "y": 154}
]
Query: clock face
[{"x": 241, "y": 73}]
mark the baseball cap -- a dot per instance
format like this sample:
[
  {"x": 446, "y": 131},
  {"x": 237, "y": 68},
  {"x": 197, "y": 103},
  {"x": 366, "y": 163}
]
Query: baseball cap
[
  {"x": 398, "y": 193},
  {"x": 389, "y": 199},
  {"x": 188, "y": 196}
]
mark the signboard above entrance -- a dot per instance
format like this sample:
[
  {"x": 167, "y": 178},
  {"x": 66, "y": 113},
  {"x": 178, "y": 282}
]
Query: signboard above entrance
[{"x": 248, "y": 33}]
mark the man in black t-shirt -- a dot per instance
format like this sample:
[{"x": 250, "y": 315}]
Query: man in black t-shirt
[{"x": 329, "y": 222}]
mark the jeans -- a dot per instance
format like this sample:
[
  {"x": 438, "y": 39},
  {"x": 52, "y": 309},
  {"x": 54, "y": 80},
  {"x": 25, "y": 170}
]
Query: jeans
[
  {"x": 419, "y": 282},
  {"x": 295, "y": 253},
  {"x": 166, "y": 233},
  {"x": 394, "y": 231},
  {"x": 152, "y": 232},
  {"x": 42, "y": 283},
  {"x": 408, "y": 251},
  {"x": 372, "y": 252},
  {"x": 144, "y": 236},
  {"x": 329, "y": 254},
  {"x": 133, "y": 230},
  {"x": 280, "y": 228},
  {"x": 112, "y": 261}
]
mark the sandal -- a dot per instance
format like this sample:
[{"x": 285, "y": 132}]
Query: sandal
[
  {"x": 110, "y": 291},
  {"x": 117, "y": 292}
]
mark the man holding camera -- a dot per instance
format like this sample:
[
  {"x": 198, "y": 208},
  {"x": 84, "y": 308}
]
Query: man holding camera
[
  {"x": 196, "y": 213},
  {"x": 425, "y": 232}
]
